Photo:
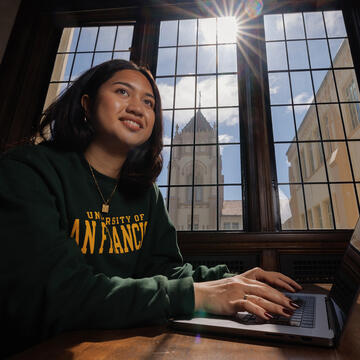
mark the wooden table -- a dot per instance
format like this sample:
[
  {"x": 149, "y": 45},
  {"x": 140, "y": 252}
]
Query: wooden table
[{"x": 163, "y": 343}]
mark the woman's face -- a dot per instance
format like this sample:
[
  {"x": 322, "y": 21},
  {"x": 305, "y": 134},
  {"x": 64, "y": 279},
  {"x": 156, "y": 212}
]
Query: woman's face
[{"x": 124, "y": 112}]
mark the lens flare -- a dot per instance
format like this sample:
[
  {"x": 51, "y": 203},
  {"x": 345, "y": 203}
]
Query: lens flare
[{"x": 253, "y": 7}]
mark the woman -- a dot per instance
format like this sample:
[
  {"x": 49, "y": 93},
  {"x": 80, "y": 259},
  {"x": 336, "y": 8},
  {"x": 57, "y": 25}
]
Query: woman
[{"x": 87, "y": 242}]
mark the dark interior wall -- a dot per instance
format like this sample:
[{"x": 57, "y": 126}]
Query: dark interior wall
[{"x": 8, "y": 11}]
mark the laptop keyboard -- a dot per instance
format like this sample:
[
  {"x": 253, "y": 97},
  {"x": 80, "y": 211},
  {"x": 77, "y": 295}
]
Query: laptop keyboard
[{"x": 303, "y": 317}]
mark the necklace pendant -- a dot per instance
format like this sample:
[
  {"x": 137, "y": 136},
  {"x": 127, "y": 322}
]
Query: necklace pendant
[{"x": 105, "y": 208}]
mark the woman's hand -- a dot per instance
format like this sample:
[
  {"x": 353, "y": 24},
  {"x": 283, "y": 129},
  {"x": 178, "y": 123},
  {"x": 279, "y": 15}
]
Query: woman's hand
[
  {"x": 272, "y": 278},
  {"x": 245, "y": 293}
]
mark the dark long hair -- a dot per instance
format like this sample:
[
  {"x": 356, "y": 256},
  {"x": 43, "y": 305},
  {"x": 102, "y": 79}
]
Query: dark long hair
[{"x": 69, "y": 132}]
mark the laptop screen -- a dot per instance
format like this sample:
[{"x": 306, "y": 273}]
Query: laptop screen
[{"x": 347, "y": 282}]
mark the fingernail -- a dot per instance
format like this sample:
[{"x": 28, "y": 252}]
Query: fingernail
[
  {"x": 294, "y": 304},
  {"x": 269, "y": 316},
  {"x": 289, "y": 312}
]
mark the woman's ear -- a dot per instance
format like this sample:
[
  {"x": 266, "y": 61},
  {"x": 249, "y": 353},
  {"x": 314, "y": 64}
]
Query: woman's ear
[{"x": 85, "y": 103}]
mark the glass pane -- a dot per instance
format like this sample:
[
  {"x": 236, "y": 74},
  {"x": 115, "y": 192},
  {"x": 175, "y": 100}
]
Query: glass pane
[
  {"x": 166, "y": 61},
  {"x": 205, "y": 167},
  {"x": 227, "y": 29},
  {"x": 206, "y": 87},
  {"x": 206, "y": 59},
  {"x": 62, "y": 67},
  {"x": 167, "y": 121},
  {"x": 101, "y": 57},
  {"x": 312, "y": 162},
  {"x": 228, "y": 90},
  {"x": 351, "y": 115},
  {"x": 274, "y": 29},
  {"x": 54, "y": 90},
  {"x": 324, "y": 86},
  {"x": 330, "y": 122},
  {"x": 166, "y": 89},
  {"x": 68, "y": 39},
  {"x": 182, "y": 165},
  {"x": 354, "y": 147},
  {"x": 180, "y": 207},
  {"x": 205, "y": 126},
  {"x": 340, "y": 53},
  {"x": 319, "y": 54},
  {"x": 229, "y": 164},
  {"x": 334, "y": 24},
  {"x": 318, "y": 216},
  {"x": 230, "y": 208},
  {"x": 283, "y": 123},
  {"x": 276, "y": 56},
  {"x": 187, "y": 32},
  {"x": 306, "y": 122},
  {"x": 186, "y": 60},
  {"x": 74, "y": 39},
  {"x": 314, "y": 25},
  {"x": 227, "y": 58},
  {"x": 185, "y": 92},
  {"x": 124, "y": 37},
  {"x": 184, "y": 127},
  {"x": 345, "y": 205},
  {"x": 207, "y": 31},
  {"x": 298, "y": 55},
  {"x": 279, "y": 88},
  {"x": 292, "y": 211},
  {"x": 347, "y": 85},
  {"x": 337, "y": 161},
  {"x": 87, "y": 39},
  {"x": 228, "y": 125},
  {"x": 205, "y": 208},
  {"x": 302, "y": 91},
  {"x": 287, "y": 163},
  {"x": 294, "y": 26},
  {"x": 106, "y": 38},
  {"x": 82, "y": 62},
  {"x": 163, "y": 177},
  {"x": 164, "y": 192},
  {"x": 122, "y": 55},
  {"x": 168, "y": 33}
]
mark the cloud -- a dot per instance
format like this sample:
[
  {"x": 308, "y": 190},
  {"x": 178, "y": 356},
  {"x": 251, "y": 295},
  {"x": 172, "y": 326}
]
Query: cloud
[
  {"x": 303, "y": 97},
  {"x": 274, "y": 89},
  {"x": 285, "y": 210},
  {"x": 225, "y": 138}
]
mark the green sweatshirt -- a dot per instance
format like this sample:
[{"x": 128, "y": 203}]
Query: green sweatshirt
[{"x": 60, "y": 269}]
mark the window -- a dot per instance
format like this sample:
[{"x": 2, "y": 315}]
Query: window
[
  {"x": 197, "y": 77},
  {"x": 313, "y": 107},
  {"x": 309, "y": 64},
  {"x": 84, "y": 47}
]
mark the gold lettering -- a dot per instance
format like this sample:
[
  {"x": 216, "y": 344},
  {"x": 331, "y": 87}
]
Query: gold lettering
[
  {"x": 137, "y": 244},
  {"x": 128, "y": 218},
  {"x": 142, "y": 217},
  {"x": 127, "y": 238},
  {"x": 117, "y": 243},
  {"x": 136, "y": 217},
  {"x": 107, "y": 221},
  {"x": 89, "y": 236},
  {"x": 122, "y": 219},
  {"x": 97, "y": 215},
  {"x": 89, "y": 214},
  {"x": 103, "y": 237},
  {"x": 75, "y": 230}
]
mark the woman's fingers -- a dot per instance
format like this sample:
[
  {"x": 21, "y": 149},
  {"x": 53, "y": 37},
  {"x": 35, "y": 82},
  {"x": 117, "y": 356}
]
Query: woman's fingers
[{"x": 265, "y": 291}]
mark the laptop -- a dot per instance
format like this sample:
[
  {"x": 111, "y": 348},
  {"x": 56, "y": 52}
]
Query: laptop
[{"x": 320, "y": 320}]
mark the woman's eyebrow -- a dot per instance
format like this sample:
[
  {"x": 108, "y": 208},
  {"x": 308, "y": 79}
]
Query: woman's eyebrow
[{"x": 131, "y": 87}]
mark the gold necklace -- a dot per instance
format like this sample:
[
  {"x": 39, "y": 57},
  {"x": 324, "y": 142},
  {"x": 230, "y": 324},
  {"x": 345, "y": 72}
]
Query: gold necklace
[{"x": 106, "y": 203}]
